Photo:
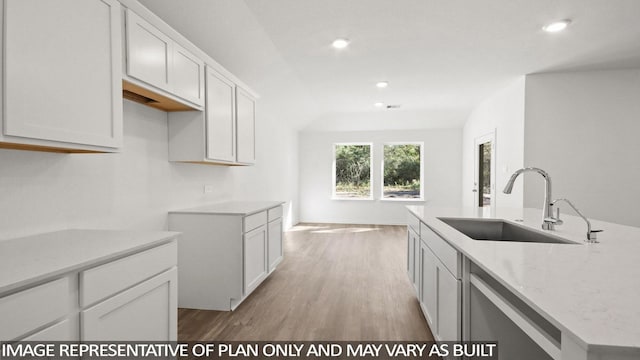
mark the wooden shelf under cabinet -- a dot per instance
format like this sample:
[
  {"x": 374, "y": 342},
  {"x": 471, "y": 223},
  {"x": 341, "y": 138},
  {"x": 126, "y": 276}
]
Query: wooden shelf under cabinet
[{"x": 147, "y": 97}]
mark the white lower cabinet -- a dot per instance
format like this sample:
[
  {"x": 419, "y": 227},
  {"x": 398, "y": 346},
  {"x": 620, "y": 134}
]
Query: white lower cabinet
[
  {"x": 225, "y": 252},
  {"x": 255, "y": 258},
  {"x": 133, "y": 298},
  {"x": 65, "y": 330},
  {"x": 146, "y": 312},
  {"x": 429, "y": 286},
  {"x": 449, "y": 305},
  {"x": 275, "y": 231},
  {"x": 35, "y": 308},
  {"x": 413, "y": 259},
  {"x": 439, "y": 285}
]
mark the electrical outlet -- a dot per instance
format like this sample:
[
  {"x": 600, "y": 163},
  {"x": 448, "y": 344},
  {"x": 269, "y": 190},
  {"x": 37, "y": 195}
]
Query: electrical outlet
[{"x": 208, "y": 189}]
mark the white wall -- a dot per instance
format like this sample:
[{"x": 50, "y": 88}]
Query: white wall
[
  {"x": 503, "y": 112},
  {"x": 134, "y": 189},
  {"x": 441, "y": 175},
  {"x": 583, "y": 128}
]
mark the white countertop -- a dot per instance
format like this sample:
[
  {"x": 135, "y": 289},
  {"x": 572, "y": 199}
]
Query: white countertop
[
  {"x": 231, "y": 208},
  {"x": 31, "y": 259},
  {"x": 588, "y": 291}
]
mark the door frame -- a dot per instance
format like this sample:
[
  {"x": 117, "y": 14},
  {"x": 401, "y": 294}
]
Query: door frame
[{"x": 488, "y": 137}]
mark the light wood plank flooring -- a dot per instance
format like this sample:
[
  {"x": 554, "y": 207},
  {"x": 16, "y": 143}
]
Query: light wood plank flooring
[{"x": 336, "y": 283}]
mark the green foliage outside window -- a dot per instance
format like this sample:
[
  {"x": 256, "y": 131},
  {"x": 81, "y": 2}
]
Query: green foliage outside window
[
  {"x": 401, "y": 171},
  {"x": 353, "y": 171}
]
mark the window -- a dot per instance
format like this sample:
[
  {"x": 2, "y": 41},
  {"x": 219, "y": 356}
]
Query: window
[
  {"x": 402, "y": 171},
  {"x": 352, "y": 171}
]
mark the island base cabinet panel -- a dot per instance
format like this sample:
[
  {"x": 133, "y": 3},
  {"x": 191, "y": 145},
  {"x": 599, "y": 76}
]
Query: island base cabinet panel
[
  {"x": 488, "y": 323},
  {"x": 62, "y": 85},
  {"x": 146, "y": 312},
  {"x": 449, "y": 306},
  {"x": 440, "y": 297},
  {"x": 255, "y": 257},
  {"x": 429, "y": 287},
  {"x": 275, "y": 243},
  {"x": 413, "y": 259}
]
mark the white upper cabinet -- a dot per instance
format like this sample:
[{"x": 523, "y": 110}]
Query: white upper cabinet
[
  {"x": 149, "y": 52},
  {"x": 154, "y": 61},
  {"x": 246, "y": 120},
  {"x": 224, "y": 134},
  {"x": 188, "y": 75},
  {"x": 62, "y": 75},
  {"x": 220, "y": 118}
]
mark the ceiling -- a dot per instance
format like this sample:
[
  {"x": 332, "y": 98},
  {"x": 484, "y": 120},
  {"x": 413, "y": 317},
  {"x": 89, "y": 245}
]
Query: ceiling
[{"x": 440, "y": 57}]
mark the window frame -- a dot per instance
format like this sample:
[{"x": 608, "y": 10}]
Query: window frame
[
  {"x": 334, "y": 196},
  {"x": 421, "y": 198}
]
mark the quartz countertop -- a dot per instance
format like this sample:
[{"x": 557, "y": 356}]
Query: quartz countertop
[
  {"x": 242, "y": 208},
  {"x": 34, "y": 258},
  {"x": 589, "y": 291}
]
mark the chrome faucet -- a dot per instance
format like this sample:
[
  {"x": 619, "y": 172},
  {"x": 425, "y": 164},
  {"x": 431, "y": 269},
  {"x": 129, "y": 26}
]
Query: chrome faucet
[
  {"x": 591, "y": 234},
  {"x": 548, "y": 220}
]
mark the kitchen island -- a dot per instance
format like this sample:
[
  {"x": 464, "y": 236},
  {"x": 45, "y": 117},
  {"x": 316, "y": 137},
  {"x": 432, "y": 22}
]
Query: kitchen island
[{"x": 550, "y": 300}]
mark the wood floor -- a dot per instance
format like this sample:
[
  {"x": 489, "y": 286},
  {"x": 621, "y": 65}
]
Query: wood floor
[{"x": 336, "y": 283}]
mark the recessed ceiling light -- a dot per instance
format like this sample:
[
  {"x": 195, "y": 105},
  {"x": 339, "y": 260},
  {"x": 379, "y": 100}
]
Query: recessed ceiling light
[
  {"x": 378, "y": 104},
  {"x": 382, "y": 84},
  {"x": 556, "y": 26},
  {"x": 340, "y": 43}
]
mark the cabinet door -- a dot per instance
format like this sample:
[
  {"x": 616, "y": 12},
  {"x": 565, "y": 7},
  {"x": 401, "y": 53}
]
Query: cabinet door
[
  {"x": 429, "y": 286},
  {"x": 149, "y": 52},
  {"x": 275, "y": 243},
  {"x": 62, "y": 331},
  {"x": 220, "y": 117},
  {"x": 187, "y": 78},
  {"x": 411, "y": 238},
  {"x": 416, "y": 260},
  {"x": 255, "y": 258},
  {"x": 145, "y": 312},
  {"x": 63, "y": 78},
  {"x": 449, "y": 306},
  {"x": 246, "y": 127}
]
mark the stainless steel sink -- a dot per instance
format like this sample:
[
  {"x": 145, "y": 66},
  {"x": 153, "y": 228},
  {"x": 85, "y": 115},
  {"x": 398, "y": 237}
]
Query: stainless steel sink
[{"x": 500, "y": 230}]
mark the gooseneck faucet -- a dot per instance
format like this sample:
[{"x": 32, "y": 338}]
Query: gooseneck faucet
[{"x": 548, "y": 220}]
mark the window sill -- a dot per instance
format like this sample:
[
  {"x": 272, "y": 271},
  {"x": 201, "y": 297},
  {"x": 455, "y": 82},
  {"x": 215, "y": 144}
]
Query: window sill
[
  {"x": 402, "y": 200},
  {"x": 352, "y": 199}
]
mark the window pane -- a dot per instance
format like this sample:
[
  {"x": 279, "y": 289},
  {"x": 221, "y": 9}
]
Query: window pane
[
  {"x": 402, "y": 172},
  {"x": 353, "y": 171}
]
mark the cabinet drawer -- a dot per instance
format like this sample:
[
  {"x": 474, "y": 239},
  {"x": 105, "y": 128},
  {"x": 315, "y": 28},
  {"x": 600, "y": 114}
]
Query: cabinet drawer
[
  {"x": 413, "y": 223},
  {"x": 256, "y": 220},
  {"x": 30, "y": 309},
  {"x": 108, "y": 279},
  {"x": 446, "y": 253},
  {"x": 275, "y": 213}
]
